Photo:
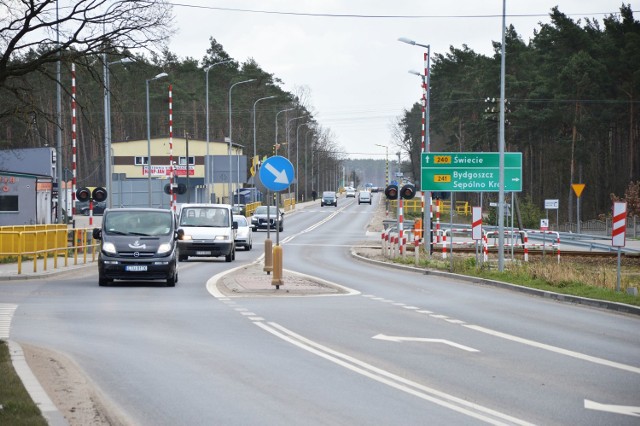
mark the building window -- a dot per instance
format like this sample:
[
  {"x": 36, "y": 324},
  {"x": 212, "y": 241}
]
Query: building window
[
  {"x": 140, "y": 161},
  {"x": 8, "y": 203},
  {"x": 182, "y": 161}
]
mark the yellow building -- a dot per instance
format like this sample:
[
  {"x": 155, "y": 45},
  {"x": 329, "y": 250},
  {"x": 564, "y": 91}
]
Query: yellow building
[{"x": 130, "y": 163}]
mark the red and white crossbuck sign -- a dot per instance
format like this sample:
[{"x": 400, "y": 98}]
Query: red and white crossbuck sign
[{"x": 619, "y": 224}]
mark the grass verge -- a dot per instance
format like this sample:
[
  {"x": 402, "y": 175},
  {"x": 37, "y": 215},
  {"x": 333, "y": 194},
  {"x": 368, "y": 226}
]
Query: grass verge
[
  {"x": 575, "y": 278},
  {"x": 16, "y": 406}
]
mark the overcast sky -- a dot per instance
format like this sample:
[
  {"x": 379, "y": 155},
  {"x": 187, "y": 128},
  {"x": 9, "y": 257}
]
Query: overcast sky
[{"x": 353, "y": 68}]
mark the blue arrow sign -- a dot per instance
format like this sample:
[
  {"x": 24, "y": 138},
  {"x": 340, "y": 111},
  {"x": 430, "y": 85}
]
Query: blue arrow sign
[{"x": 276, "y": 173}]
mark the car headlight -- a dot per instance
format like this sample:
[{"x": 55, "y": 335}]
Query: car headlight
[
  {"x": 164, "y": 248},
  {"x": 221, "y": 237},
  {"x": 186, "y": 237},
  {"x": 109, "y": 248}
]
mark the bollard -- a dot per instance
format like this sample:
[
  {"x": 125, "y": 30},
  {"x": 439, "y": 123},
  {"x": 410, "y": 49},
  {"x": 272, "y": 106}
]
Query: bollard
[
  {"x": 268, "y": 256},
  {"x": 277, "y": 267}
]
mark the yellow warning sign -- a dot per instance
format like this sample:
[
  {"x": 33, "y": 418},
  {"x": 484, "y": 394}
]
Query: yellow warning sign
[{"x": 578, "y": 188}]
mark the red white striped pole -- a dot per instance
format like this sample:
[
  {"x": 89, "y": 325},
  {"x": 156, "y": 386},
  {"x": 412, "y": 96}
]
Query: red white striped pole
[
  {"x": 172, "y": 195},
  {"x": 73, "y": 142},
  {"x": 400, "y": 226}
]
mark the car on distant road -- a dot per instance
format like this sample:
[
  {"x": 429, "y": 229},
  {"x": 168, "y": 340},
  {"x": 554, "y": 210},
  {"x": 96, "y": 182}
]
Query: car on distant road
[
  {"x": 350, "y": 192},
  {"x": 364, "y": 197},
  {"x": 98, "y": 208},
  {"x": 261, "y": 220},
  {"x": 329, "y": 198},
  {"x": 244, "y": 237}
]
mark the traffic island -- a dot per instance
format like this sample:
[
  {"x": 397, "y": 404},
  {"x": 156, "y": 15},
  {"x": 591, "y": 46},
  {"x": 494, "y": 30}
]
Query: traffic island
[{"x": 251, "y": 280}]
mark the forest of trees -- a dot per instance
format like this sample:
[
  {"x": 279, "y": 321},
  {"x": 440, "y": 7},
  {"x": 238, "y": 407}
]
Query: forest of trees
[
  {"x": 572, "y": 95},
  {"x": 573, "y": 108}
]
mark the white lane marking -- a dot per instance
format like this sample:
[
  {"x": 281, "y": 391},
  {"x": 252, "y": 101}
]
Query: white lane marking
[
  {"x": 555, "y": 349},
  {"x": 397, "y": 382},
  {"x": 6, "y": 315},
  {"x": 544, "y": 346},
  {"x": 627, "y": 410},
  {"x": 400, "y": 339}
]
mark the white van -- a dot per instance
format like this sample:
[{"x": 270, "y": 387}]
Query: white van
[{"x": 206, "y": 230}]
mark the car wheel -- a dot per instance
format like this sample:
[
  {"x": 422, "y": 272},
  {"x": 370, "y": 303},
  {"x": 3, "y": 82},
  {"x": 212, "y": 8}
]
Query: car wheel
[
  {"x": 103, "y": 282},
  {"x": 172, "y": 280},
  {"x": 281, "y": 228}
]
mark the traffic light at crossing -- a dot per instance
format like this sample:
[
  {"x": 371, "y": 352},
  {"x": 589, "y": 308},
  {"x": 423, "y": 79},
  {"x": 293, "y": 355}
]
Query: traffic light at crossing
[
  {"x": 408, "y": 191},
  {"x": 391, "y": 191}
]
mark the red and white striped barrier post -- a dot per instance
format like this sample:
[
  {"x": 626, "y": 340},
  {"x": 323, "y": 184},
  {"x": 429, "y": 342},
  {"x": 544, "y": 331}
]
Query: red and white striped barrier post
[
  {"x": 438, "y": 219},
  {"x": 73, "y": 143},
  {"x": 172, "y": 193},
  {"x": 525, "y": 243},
  {"x": 476, "y": 227},
  {"x": 618, "y": 231}
]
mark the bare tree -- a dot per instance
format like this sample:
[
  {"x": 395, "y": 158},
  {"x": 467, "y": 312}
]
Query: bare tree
[{"x": 34, "y": 34}]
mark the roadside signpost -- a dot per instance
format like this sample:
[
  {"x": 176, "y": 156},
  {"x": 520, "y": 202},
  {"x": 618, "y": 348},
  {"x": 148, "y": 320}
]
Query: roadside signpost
[
  {"x": 276, "y": 174},
  {"x": 470, "y": 171},
  {"x": 552, "y": 205}
]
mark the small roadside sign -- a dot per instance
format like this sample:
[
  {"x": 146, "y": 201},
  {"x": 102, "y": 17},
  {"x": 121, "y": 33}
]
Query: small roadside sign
[
  {"x": 551, "y": 204},
  {"x": 618, "y": 232},
  {"x": 544, "y": 224},
  {"x": 578, "y": 188},
  {"x": 476, "y": 225}
]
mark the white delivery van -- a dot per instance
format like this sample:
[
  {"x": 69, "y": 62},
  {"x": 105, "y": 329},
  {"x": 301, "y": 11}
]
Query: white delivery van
[{"x": 206, "y": 230}]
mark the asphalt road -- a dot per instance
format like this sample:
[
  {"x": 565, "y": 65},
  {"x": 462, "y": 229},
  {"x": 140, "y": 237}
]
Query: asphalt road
[{"x": 401, "y": 348}]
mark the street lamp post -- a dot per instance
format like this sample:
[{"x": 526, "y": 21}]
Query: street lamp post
[
  {"x": 254, "y": 123},
  {"x": 297, "y": 170},
  {"x": 207, "y": 169},
  {"x": 230, "y": 137},
  {"x": 161, "y": 75},
  {"x": 426, "y": 145},
  {"x": 277, "y": 114},
  {"x": 107, "y": 122},
  {"x": 306, "y": 181}
]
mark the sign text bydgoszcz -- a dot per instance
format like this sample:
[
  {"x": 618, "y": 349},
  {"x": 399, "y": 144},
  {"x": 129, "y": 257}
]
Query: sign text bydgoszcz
[{"x": 470, "y": 171}]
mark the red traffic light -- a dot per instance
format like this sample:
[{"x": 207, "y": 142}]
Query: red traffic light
[
  {"x": 408, "y": 191},
  {"x": 99, "y": 194},
  {"x": 167, "y": 189},
  {"x": 391, "y": 192},
  {"x": 83, "y": 194}
]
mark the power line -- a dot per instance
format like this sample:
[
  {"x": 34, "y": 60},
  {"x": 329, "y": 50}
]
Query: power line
[{"x": 368, "y": 16}]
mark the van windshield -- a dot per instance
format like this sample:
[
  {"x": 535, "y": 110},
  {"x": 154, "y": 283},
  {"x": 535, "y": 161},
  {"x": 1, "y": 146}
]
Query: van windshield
[
  {"x": 146, "y": 223},
  {"x": 217, "y": 217}
]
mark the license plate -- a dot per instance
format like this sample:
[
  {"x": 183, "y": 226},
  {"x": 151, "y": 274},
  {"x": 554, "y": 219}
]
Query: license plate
[
  {"x": 203, "y": 253},
  {"x": 136, "y": 268}
]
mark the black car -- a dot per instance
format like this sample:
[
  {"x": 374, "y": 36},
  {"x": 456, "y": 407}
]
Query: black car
[
  {"x": 260, "y": 220},
  {"x": 329, "y": 198},
  {"x": 98, "y": 208},
  {"x": 137, "y": 244}
]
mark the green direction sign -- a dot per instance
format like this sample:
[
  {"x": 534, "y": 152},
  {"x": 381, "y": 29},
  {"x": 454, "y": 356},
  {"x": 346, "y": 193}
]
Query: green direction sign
[{"x": 470, "y": 171}]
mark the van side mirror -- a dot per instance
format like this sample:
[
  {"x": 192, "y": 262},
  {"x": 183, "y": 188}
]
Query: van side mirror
[
  {"x": 97, "y": 233},
  {"x": 235, "y": 225}
]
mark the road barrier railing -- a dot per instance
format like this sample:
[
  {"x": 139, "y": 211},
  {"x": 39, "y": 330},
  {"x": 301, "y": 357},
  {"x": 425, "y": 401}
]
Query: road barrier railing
[{"x": 45, "y": 241}]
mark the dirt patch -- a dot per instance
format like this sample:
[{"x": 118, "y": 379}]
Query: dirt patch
[{"x": 68, "y": 387}]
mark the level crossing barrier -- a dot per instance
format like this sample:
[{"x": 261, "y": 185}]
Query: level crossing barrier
[{"x": 555, "y": 244}]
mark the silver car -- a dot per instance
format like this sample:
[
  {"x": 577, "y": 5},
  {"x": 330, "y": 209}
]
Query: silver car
[
  {"x": 364, "y": 197},
  {"x": 244, "y": 234}
]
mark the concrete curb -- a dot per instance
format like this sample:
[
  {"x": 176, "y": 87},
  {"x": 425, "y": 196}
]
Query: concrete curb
[
  {"x": 594, "y": 303},
  {"x": 35, "y": 390}
]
